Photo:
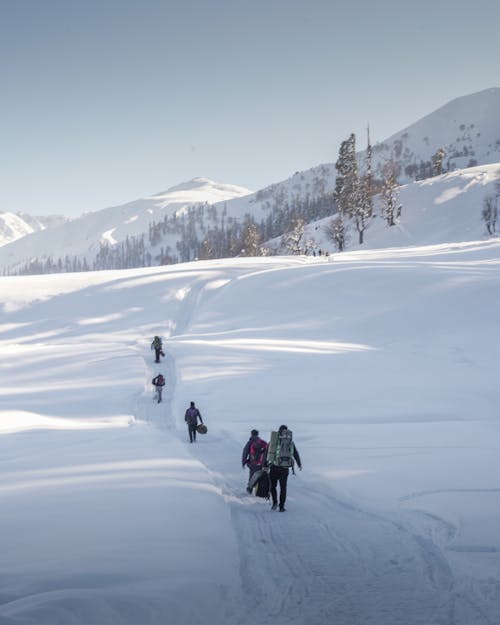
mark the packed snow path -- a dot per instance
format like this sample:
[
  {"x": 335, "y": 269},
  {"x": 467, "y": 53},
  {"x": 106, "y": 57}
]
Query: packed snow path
[{"x": 109, "y": 515}]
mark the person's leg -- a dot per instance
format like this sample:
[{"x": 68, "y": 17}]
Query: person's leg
[
  {"x": 157, "y": 355},
  {"x": 283, "y": 478},
  {"x": 273, "y": 480},
  {"x": 160, "y": 388},
  {"x": 190, "y": 434},
  {"x": 252, "y": 470},
  {"x": 194, "y": 433}
]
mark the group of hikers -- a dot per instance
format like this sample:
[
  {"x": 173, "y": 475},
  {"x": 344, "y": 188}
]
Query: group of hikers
[
  {"x": 158, "y": 381},
  {"x": 192, "y": 413},
  {"x": 269, "y": 464}
]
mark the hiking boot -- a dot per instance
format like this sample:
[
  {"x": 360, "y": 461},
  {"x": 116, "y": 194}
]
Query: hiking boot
[
  {"x": 282, "y": 509},
  {"x": 274, "y": 506}
]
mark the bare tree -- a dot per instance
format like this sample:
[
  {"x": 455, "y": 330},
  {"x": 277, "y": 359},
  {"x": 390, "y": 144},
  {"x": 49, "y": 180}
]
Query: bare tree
[
  {"x": 336, "y": 231},
  {"x": 437, "y": 161},
  {"x": 490, "y": 213},
  {"x": 293, "y": 239}
]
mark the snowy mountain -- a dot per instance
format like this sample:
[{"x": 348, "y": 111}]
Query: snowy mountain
[
  {"x": 14, "y": 226},
  {"x": 201, "y": 218},
  {"x": 384, "y": 363},
  {"x": 467, "y": 128},
  {"x": 443, "y": 209},
  {"x": 83, "y": 237}
]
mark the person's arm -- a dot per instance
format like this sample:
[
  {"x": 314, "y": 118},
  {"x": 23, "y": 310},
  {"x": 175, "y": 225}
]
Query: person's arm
[
  {"x": 199, "y": 414},
  {"x": 297, "y": 457},
  {"x": 244, "y": 456},
  {"x": 186, "y": 416}
]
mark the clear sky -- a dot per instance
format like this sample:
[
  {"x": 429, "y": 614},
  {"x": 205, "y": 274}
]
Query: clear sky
[{"x": 105, "y": 101}]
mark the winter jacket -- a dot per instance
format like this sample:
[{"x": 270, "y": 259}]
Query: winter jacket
[
  {"x": 191, "y": 416},
  {"x": 157, "y": 382},
  {"x": 246, "y": 457}
]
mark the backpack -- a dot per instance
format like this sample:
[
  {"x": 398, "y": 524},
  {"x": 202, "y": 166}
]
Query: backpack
[
  {"x": 256, "y": 452},
  {"x": 262, "y": 488},
  {"x": 281, "y": 449},
  {"x": 160, "y": 380}
]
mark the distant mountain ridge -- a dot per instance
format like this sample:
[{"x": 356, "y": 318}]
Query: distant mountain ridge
[
  {"x": 14, "y": 226},
  {"x": 205, "y": 217},
  {"x": 467, "y": 128}
]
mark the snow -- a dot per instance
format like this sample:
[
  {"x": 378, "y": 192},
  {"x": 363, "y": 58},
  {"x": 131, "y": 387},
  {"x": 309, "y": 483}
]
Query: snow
[
  {"x": 382, "y": 362},
  {"x": 112, "y": 225}
]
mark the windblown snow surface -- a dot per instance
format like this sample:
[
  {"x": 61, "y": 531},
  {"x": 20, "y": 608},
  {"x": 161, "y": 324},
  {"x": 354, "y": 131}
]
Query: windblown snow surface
[{"x": 384, "y": 363}]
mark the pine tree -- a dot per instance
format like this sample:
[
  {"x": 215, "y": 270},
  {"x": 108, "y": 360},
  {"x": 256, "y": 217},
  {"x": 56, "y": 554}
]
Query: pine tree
[
  {"x": 346, "y": 192},
  {"x": 391, "y": 208},
  {"x": 250, "y": 238},
  {"x": 364, "y": 208}
]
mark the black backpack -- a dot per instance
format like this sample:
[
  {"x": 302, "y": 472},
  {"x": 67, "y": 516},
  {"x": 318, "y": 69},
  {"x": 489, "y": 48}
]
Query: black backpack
[{"x": 262, "y": 489}]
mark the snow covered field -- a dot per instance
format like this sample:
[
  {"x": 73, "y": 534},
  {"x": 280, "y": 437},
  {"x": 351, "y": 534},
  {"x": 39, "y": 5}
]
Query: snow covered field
[{"x": 384, "y": 363}]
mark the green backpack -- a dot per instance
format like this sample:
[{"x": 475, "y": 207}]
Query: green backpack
[{"x": 280, "y": 450}]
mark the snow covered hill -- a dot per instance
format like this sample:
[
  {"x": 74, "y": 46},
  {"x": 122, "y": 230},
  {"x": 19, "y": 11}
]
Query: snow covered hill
[
  {"x": 82, "y": 237},
  {"x": 444, "y": 209},
  {"x": 467, "y": 128},
  {"x": 14, "y": 226},
  {"x": 167, "y": 227},
  {"x": 382, "y": 362}
]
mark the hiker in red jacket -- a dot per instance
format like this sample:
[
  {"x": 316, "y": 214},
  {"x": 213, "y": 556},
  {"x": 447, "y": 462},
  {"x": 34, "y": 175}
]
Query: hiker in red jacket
[
  {"x": 158, "y": 382},
  {"x": 254, "y": 454}
]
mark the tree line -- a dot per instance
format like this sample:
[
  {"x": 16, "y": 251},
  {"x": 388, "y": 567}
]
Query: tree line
[{"x": 205, "y": 231}]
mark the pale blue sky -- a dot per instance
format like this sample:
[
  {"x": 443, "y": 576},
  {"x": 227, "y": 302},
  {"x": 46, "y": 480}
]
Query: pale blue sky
[{"x": 105, "y": 101}]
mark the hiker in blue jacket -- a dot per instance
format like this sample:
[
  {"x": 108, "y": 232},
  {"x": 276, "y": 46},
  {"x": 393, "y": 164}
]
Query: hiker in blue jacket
[
  {"x": 254, "y": 454},
  {"x": 279, "y": 474}
]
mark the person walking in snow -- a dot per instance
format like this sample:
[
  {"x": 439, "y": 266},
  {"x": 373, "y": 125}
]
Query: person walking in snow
[
  {"x": 281, "y": 460},
  {"x": 158, "y": 382},
  {"x": 191, "y": 418},
  {"x": 158, "y": 347},
  {"x": 253, "y": 456}
]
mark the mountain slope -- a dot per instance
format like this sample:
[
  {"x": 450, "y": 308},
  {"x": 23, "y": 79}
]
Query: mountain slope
[
  {"x": 84, "y": 235},
  {"x": 468, "y": 129},
  {"x": 14, "y": 226}
]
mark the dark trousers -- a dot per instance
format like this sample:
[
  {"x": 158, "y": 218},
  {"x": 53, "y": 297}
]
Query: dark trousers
[
  {"x": 192, "y": 432},
  {"x": 278, "y": 474},
  {"x": 157, "y": 354}
]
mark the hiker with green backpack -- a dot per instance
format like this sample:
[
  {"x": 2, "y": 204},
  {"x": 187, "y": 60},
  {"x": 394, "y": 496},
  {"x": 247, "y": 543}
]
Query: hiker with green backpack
[{"x": 281, "y": 454}]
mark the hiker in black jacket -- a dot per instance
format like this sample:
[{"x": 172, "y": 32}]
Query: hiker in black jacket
[
  {"x": 279, "y": 474},
  {"x": 191, "y": 418},
  {"x": 157, "y": 345}
]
